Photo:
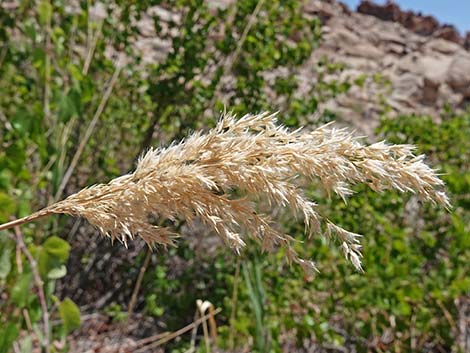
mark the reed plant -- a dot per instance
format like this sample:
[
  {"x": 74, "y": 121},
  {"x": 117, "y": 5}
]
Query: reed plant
[{"x": 219, "y": 177}]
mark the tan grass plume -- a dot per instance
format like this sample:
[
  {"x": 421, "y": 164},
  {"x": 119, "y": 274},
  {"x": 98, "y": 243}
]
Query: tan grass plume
[{"x": 218, "y": 177}]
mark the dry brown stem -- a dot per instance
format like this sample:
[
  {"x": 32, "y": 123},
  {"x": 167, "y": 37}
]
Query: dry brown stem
[
  {"x": 88, "y": 132},
  {"x": 39, "y": 284},
  {"x": 138, "y": 283},
  {"x": 170, "y": 336}
]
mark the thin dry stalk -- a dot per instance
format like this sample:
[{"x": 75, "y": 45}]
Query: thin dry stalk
[
  {"x": 27, "y": 320},
  {"x": 192, "y": 342},
  {"x": 151, "y": 339},
  {"x": 212, "y": 324},
  {"x": 88, "y": 132},
  {"x": 39, "y": 284},
  {"x": 207, "y": 340},
  {"x": 251, "y": 21},
  {"x": 202, "y": 308},
  {"x": 178, "y": 333},
  {"x": 92, "y": 38},
  {"x": 47, "y": 68},
  {"x": 17, "y": 222},
  {"x": 218, "y": 178},
  {"x": 138, "y": 283},
  {"x": 19, "y": 262},
  {"x": 91, "y": 48},
  {"x": 3, "y": 53}
]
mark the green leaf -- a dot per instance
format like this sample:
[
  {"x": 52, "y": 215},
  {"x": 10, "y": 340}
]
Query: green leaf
[
  {"x": 5, "y": 264},
  {"x": 66, "y": 106},
  {"x": 50, "y": 265},
  {"x": 70, "y": 315},
  {"x": 45, "y": 12},
  {"x": 57, "y": 247},
  {"x": 57, "y": 272},
  {"x": 7, "y": 207},
  {"x": 8, "y": 335},
  {"x": 44, "y": 261},
  {"x": 22, "y": 122},
  {"x": 16, "y": 153},
  {"x": 21, "y": 290}
]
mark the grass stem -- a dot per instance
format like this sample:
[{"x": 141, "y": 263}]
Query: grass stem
[
  {"x": 27, "y": 219},
  {"x": 138, "y": 283},
  {"x": 39, "y": 284}
]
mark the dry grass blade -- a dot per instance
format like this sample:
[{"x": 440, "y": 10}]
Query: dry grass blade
[{"x": 217, "y": 178}]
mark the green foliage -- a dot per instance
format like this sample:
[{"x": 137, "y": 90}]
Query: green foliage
[
  {"x": 255, "y": 290},
  {"x": 38, "y": 144},
  {"x": 57, "y": 247},
  {"x": 52, "y": 257},
  {"x": 70, "y": 315},
  {"x": 20, "y": 291},
  {"x": 415, "y": 258},
  {"x": 115, "y": 312},
  {"x": 18, "y": 281},
  {"x": 189, "y": 82},
  {"x": 173, "y": 289},
  {"x": 446, "y": 144},
  {"x": 8, "y": 335}
]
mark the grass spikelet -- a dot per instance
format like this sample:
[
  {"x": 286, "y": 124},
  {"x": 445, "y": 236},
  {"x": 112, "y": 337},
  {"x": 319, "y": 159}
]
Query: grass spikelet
[{"x": 218, "y": 177}]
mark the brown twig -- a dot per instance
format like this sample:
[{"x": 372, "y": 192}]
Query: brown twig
[
  {"x": 175, "y": 334},
  {"x": 138, "y": 283},
  {"x": 27, "y": 320},
  {"x": 91, "y": 49},
  {"x": 145, "y": 341},
  {"x": 47, "y": 68},
  {"x": 19, "y": 262},
  {"x": 192, "y": 347},
  {"x": 39, "y": 284},
  {"x": 88, "y": 132},
  {"x": 212, "y": 324}
]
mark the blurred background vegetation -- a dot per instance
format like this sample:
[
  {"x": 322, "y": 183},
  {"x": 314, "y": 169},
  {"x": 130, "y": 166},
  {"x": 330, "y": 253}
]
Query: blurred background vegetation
[{"x": 80, "y": 101}]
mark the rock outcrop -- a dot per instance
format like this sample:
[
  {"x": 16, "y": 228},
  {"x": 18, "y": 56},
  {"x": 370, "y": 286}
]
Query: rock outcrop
[
  {"x": 412, "y": 63},
  {"x": 416, "y": 22}
]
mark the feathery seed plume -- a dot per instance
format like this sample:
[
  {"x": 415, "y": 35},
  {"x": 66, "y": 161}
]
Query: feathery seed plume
[{"x": 218, "y": 177}]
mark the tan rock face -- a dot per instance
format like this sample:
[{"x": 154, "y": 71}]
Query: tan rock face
[
  {"x": 417, "y": 73},
  {"x": 417, "y": 23},
  {"x": 458, "y": 74},
  {"x": 466, "y": 41}
]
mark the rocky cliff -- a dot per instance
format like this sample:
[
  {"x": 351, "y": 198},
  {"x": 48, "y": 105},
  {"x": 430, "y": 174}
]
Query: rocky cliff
[
  {"x": 410, "y": 65},
  {"x": 416, "y": 22}
]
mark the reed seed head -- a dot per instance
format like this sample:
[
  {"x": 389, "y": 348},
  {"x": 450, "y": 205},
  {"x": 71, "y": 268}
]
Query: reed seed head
[{"x": 218, "y": 177}]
